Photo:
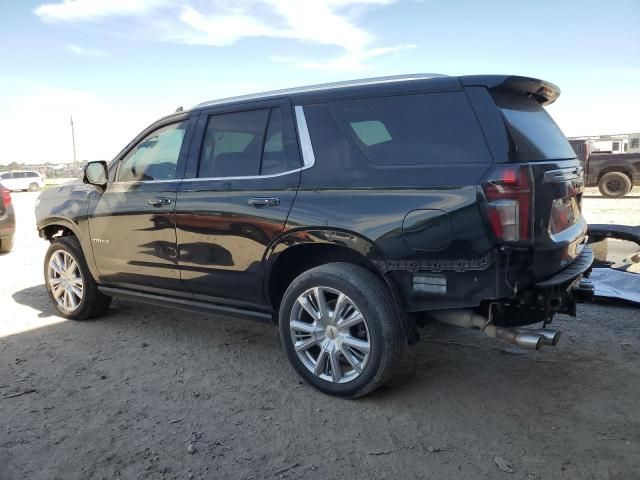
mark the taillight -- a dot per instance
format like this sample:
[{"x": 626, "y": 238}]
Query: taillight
[
  {"x": 6, "y": 197},
  {"x": 509, "y": 195}
]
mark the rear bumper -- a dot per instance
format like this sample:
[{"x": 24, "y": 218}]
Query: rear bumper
[
  {"x": 556, "y": 294},
  {"x": 571, "y": 273}
]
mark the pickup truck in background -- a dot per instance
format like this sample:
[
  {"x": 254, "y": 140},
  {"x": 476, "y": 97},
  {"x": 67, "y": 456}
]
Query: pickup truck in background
[{"x": 615, "y": 174}]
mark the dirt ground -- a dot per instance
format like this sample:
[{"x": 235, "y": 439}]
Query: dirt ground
[{"x": 146, "y": 392}]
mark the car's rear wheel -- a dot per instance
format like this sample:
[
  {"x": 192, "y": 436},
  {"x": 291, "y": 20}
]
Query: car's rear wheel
[
  {"x": 34, "y": 187},
  {"x": 6, "y": 244},
  {"x": 340, "y": 329},
  {"x": 70, "y": 286},
  {"x": 614, "y": 184}
]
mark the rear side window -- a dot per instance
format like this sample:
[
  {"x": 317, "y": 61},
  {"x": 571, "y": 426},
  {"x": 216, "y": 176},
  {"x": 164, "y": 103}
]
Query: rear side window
[
  {"x": 535, "y": 135},
  {"x": 418, "y": 129},
  {"x": 242, "y": 144}
]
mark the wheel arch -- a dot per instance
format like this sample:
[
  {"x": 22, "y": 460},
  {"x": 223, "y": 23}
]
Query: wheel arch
[
  {"x": 617, "y": 169},
  {"x": 300, "y": 250},
  {"x": 53, "y": 227}
]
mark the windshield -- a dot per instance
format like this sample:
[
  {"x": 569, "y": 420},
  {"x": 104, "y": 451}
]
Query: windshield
[{"x": 535, "y": 135}]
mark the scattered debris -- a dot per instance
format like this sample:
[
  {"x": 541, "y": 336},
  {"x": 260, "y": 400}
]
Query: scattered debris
[
  {"x": 176, "y": 420},
  {"x": 386, "y": 452},
  {"x": 431, "y": 449},
  {"x": 286, "y": 469},
  {"x": 504, "y": 465},
  {"x": 618, "y": 284},
  {"x": 25, "y": 392},
  {"x": 191, "y": 449}
]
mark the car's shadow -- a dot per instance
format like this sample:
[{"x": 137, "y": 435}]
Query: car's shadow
[{"x": 445, "y": 358}]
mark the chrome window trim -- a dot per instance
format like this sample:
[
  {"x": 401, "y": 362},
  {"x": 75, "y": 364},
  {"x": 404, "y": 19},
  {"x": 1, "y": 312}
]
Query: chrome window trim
[
  {"x": 308, "y": 158},
  {"x": 306, "y": 147}
]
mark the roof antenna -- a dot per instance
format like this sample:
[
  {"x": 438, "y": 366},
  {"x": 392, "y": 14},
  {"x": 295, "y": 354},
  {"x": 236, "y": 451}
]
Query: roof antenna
[{"x": 179, "y": 109}]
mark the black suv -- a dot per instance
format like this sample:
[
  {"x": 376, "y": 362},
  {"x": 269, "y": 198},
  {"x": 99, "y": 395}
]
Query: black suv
[{"x": 346, "y": 213}]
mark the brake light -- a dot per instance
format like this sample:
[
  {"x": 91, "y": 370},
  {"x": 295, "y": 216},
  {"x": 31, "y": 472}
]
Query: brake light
[
  {"x": 509, "y": 197},
  {"x": 6, "y": 197}
]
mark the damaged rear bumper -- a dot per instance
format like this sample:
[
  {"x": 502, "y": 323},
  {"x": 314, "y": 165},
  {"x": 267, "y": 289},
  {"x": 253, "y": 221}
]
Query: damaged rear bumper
[{"x": 556, "y": 294}]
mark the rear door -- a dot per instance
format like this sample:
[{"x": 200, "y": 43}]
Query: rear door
[{"x": 244, "y": 169}]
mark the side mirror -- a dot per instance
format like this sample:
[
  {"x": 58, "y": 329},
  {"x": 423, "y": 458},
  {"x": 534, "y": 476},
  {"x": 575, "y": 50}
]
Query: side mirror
[{"x": 96, "y": 173}]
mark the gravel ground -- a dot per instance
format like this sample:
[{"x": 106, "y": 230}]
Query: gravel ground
[{"x": 146, "y": 392}]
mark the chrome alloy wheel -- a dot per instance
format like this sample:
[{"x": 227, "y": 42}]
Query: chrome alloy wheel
[
  {"x": 330, "y": 334},
  {"x": 65, "y": 281}
]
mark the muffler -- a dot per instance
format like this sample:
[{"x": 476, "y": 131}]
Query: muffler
[{"x": 469, "y": 319}]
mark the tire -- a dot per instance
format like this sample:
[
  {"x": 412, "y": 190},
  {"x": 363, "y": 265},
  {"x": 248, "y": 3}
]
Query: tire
[
  {"x": 34, "y": 187},
  {"x": 69, "y": 304},
  {"x": 614, "y": 185},
  {"x": 6, "y": 244},
  {"x": 340, "y": 343}
]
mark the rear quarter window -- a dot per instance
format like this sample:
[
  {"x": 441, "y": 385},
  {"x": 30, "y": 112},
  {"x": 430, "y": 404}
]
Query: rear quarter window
[{"x": 434, "y": 128}]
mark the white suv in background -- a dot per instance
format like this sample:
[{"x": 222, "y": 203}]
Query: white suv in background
[{"x": 22, "y": 180}]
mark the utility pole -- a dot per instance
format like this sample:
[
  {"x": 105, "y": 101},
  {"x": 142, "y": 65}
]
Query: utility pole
[{"x": 73, "y": 142}]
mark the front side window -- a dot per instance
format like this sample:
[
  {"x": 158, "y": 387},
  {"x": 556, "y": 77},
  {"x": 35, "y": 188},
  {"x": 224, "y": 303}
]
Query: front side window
[
  {"x": 615, "y": 146},
  {"x": 155, "y": 157}
]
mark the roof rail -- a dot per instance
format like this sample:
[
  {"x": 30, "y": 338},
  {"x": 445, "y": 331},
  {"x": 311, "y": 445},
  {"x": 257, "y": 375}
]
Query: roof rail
[{"x": 323, "y": 86}]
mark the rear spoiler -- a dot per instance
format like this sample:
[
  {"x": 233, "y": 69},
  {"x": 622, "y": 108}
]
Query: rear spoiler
[{"x": 544, "y": 92}]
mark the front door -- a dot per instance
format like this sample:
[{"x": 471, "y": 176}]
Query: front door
[
  {"x": 245, "y": 170},
  {"x": 132, "y": 223}
]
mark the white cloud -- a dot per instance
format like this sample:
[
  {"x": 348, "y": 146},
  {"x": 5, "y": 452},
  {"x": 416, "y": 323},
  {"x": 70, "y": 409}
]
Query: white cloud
[
  {"x": 75, "y": 10},
  {"x": 86, "y": 51},
  {"x": 222, "y": 23}
]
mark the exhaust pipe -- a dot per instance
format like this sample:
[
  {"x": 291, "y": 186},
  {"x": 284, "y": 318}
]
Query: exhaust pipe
[
  {"x": 468, "y": 319},
  {"x": 549, "y": 337}
]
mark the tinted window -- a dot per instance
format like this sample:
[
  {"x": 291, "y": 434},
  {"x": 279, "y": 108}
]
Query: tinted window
[
  {"x": 535, "y": 135},
  {"x": 32, "y": 174},
  {"x": 5, "y": 176},
  {"x": 275, "y": 157},
  {"x": 232, "y": 144},
  {"x": 415, "y": 129},
  {"x": 155, "y": 157},
  {"x": 20, "y": 175}
]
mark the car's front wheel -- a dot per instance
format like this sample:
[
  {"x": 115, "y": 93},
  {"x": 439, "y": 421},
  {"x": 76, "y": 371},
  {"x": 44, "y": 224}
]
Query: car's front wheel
[
  {"x": 34, "y": 187},
  {"x": 340, "y": 330},
  {"x": 70, "y": 286}
]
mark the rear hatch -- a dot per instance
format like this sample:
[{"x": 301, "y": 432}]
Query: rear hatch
[{"x": 543, "y": 181}]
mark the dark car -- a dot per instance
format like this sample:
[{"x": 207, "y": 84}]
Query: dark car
[
  {"x": 347, "y": 213},
  {"x": 7, "y": 220},
  {"x": 615, "y": 174}
]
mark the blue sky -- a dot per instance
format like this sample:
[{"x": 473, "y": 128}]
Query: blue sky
[{"x": 117, "y": 65}]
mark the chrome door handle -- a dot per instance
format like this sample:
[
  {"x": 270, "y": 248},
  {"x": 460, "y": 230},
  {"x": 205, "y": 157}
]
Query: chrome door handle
[
  {"x": 264, "y": 202},
  {"x": 158, "y": 202}
]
